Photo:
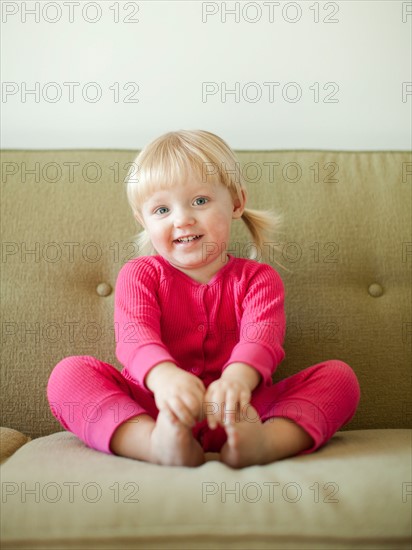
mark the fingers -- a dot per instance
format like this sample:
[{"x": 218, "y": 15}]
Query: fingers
[
  {"x": 224, "y": 403},
  {"x": 181, "y": 397},
  {"x": 172, "y": 417},
  {"x": 199, "y": 384},
  {"x": 186, "y": 408},
  {"x": 181, "y": 411}
]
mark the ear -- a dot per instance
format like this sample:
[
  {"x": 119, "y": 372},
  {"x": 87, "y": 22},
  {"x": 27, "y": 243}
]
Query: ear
[{"x": 239, "y": 206}]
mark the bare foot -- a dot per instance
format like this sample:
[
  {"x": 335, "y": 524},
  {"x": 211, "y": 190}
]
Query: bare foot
[
  {"x": 172, "y": 443},
  {"x": 246, "y": 443}
]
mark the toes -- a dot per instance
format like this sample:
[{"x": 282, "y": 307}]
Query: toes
[
  {"x": 230, "y": 457},
  {"x": 231, "y": 418},
  {"x": 232, "y": 436},
  {"x": 230, "y": 452},
  {"x": 240, "y": 448}
]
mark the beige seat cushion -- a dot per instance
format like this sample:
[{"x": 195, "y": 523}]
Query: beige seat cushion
[{"x": 355, "y": 492}]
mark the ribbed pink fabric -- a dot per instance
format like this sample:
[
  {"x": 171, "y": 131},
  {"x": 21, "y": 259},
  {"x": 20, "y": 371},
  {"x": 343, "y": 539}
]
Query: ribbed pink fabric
[{"x": 161, "y": 314}]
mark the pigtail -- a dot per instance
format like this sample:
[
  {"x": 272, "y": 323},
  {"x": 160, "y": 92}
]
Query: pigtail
[{"x": 264, "y": 226}]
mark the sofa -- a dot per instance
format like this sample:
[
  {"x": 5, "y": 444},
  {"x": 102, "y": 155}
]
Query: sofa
[{"x": 344, "y": 253}]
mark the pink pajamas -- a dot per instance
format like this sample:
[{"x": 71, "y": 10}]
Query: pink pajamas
[
  {"x": 162, "y": 314},
  {"x": 91, "y": 399}
]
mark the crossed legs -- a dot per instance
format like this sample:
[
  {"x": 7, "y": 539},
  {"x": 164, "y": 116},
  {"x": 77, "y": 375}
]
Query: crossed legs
[{"x": 291, "y": 417}]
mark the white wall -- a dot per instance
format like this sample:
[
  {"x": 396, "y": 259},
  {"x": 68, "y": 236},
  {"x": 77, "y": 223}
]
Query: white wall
[{"x": 354, "y": 74}]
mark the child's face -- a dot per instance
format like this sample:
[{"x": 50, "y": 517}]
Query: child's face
[{"x": 194, "y": 208}]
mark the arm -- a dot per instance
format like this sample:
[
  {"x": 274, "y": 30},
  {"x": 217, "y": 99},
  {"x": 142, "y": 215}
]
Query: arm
[
  {"x": 141, "y": 350},
  {"x": 240, "y": 371},
  {"x": 159, "y": 373},
  {"x": 262, "y": 326},
  {"x": 137, "y": 315}
]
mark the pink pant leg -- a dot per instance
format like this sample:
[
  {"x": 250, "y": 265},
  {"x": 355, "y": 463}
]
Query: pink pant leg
[
  {"x": 321, "y": 399},
  {"x": 91, "y": 399}
]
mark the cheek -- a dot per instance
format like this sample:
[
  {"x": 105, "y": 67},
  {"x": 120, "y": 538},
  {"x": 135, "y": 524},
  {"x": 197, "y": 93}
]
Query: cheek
[
  {"x": 158, "y": 233},
  {"x": 152, "y": 231},
  {"x": 220, "y": 221}
]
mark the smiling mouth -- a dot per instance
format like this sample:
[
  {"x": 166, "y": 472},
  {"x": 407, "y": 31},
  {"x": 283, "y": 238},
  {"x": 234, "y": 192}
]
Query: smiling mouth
[{"x": 188, "y": 239}]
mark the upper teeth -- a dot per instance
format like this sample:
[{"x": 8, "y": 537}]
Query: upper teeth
[{"x": 187, "y": 239}]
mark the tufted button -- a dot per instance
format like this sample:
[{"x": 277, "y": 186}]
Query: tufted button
[
  {"x": 375, "y": 290},
  {"x": 103, "y": 289},
  {"x": 201, "y": 328}
]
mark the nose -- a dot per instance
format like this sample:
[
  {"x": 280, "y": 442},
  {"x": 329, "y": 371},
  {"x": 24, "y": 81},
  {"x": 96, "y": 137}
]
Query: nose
[{"x": 183, "y": 217}]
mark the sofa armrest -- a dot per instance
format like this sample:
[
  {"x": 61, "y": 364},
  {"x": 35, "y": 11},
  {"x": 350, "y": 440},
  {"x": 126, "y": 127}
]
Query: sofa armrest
[{"x": 10, "y": 441}]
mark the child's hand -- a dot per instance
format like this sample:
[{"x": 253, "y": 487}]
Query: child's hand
[
  {"x": 181, "y": 394},
  {"x": 223, "y": 397}
]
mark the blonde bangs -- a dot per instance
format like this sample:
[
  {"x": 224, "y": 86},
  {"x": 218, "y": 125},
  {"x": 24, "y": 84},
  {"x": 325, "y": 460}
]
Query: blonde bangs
[{"x": 175, "y": 157}]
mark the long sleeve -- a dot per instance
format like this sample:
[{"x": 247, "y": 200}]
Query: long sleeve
[
  {"x": 137, "y": 318},
  {"x": 263, "y": 325}
]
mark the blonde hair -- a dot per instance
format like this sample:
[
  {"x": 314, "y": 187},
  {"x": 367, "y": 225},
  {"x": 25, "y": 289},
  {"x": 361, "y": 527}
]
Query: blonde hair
[{"x": 168, "y": 160}]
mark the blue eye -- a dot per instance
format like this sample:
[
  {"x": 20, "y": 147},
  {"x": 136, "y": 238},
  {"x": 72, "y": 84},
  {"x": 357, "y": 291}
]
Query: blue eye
[
  {"x": 161, "y": 208},
  {"x": 202, "y": 198}
]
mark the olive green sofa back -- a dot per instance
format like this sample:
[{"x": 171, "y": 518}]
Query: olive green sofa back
[{"x": 344, "y": 254}]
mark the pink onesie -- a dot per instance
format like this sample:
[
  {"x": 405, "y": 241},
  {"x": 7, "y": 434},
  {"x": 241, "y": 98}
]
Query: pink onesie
[{"x": 161, "y": 314}]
